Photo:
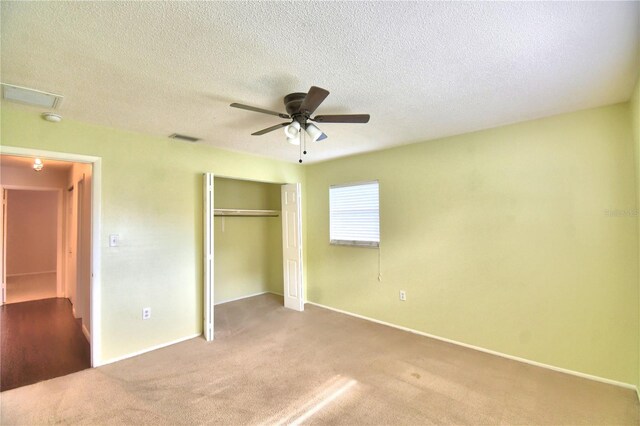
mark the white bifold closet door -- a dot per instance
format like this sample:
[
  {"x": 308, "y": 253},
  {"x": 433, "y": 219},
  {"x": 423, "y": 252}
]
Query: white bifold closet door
[
  {"x": 292, "y": 247},
  {"x": 208, "y": 256}
]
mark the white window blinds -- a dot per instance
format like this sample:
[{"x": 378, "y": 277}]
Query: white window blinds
[{"x": 354, "y": 214}]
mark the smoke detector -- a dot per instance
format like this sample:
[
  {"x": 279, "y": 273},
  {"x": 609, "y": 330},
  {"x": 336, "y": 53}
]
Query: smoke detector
[
  {"x": 32, "y": 97},
  {"x": 49, "y": 116}
]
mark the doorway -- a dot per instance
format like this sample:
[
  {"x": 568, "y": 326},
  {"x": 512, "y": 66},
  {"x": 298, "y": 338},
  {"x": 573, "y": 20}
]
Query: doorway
[
  {"x": 78, "y": 245},
  {"x": 257, "y": 228},
  {"x": 31, "y": 229},
  {"x": 69, "y": 315}
]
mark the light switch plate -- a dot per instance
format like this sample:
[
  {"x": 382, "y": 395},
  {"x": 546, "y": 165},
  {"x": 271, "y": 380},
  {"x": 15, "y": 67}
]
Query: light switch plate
[{"x": 114, "y": 240}]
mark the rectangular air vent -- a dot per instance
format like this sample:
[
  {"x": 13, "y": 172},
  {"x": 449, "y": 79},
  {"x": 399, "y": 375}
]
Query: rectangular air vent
[
  {"x": 184, "y": 137},
  {"x": 31, "y": 97}
]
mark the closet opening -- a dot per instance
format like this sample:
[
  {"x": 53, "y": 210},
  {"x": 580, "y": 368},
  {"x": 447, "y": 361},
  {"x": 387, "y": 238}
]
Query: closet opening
[{"x": 252, "y": 244}]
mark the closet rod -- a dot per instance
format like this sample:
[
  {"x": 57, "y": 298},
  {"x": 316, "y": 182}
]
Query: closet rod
[{"x": 245, "y": 212}]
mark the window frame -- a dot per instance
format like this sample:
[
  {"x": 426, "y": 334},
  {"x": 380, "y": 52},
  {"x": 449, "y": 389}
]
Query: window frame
[{"x": 355, "y": 243}]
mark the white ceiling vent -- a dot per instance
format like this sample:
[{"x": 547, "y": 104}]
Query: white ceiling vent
[
  {"x": 31, "y": 97},
  {"x": 184, "y": 137}
]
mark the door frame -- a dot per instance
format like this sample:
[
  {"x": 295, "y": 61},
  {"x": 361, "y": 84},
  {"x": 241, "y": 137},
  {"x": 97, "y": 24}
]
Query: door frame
[
  {"x": 208, "y": 254},
  {"x": 68, "y": 242},
  {"x": 60, "y": 246},
  {"x": 3, "y": 260},
  {"x": 79, "y": 196},
  {"x": 96, "y": 225}
]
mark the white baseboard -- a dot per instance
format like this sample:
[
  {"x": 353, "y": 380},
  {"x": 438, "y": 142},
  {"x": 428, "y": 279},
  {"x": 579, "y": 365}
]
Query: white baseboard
[
  {"x": 24, "y": 274},
  {"x": 241, "y": 297},
  {"x": 173, "y": 342},
  {"x": 86, "y": 333},
  {"x": 489, "y": 351},
  {"x": 149, "y": 349}
]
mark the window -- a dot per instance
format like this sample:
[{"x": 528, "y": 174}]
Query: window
[{"x": 354, "y": 214}]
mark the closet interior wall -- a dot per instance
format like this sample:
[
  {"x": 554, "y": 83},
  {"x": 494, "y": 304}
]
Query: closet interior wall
[{"x": 247, "y": 250}]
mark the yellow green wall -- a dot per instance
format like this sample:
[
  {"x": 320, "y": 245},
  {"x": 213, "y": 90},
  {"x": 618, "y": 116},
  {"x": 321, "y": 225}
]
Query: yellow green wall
[
  {"x": 500, "y": 239},
  {"x": 635, "y": 123},
  {"x": 152, "y": 197},
  {"x": 248, "y": 250}
]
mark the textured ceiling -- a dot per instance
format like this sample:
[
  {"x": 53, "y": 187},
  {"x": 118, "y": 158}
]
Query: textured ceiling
[{"x": 422, "y": 70}]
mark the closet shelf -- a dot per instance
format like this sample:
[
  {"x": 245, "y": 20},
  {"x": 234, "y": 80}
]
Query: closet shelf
[{"x": 245, "y": 212}]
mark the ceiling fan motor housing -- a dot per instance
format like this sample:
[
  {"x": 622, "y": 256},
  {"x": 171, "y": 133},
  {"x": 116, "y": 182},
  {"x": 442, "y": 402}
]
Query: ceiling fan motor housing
[{"x": 292, "y": 103}]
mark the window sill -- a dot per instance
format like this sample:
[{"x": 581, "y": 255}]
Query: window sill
[{"x": 365, "y": 244}]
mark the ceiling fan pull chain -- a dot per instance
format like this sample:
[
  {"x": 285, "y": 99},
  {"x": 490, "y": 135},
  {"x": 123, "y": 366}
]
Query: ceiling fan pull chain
[
  {"x": 304, "y": 141},
  {"x": 300, "y": 150}
]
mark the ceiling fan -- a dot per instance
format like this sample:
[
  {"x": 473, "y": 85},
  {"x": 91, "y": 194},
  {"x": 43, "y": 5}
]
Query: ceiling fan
[{"x": 299, "y": 108}]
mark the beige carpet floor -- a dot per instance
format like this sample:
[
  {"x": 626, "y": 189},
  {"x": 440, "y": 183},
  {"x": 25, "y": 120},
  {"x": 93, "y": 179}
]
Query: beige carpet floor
[{"x": 271, "y": 365}]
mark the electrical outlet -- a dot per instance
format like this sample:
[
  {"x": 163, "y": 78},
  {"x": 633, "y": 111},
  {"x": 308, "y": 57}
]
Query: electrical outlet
[
  {"x": 146, "y": 313},
  {"x": 403, "y": 295}
]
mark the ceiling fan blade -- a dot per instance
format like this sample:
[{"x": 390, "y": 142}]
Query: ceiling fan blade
[
  {"x": 343, "y": 118},
  {"x": 270, "y": 129},
  {"x": 263, "y": 111},
  {"x": 313, "y": 100}
]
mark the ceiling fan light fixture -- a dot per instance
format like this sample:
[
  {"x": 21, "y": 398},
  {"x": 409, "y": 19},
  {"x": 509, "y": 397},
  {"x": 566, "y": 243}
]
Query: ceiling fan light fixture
[
  {"x": 294, "y": 140},
  {"x": 293, "y": 131},
  {"x": 314, "y": 133},
  {"x": 300, "y": 107}
]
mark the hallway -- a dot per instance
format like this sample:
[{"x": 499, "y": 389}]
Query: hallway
[
  {"x": 40, "y": 340},
  {"x": 23, "y": 288}
]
